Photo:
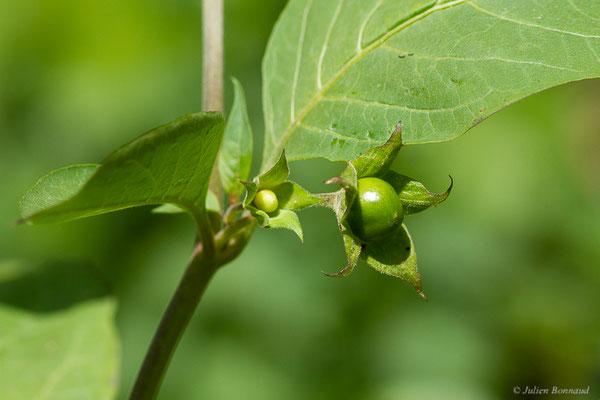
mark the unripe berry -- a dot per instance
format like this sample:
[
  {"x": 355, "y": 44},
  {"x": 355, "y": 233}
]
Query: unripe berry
[
  {"x": 376, "y": 211},
  {"x": 266, "y": 201}
]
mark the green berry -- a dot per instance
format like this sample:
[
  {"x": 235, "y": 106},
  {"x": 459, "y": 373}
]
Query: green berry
[
  {"x": 266, "y": 201},
  {"x": 376, "y": 211}
]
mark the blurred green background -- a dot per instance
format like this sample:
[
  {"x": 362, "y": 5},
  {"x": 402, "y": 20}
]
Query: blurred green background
[{"x": 510, "y": 263}]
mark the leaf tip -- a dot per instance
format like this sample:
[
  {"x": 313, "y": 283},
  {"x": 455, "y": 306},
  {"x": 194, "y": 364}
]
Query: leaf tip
[
  {"x": 336, "y": 275},
  {"x": 330, "y": 181},
  {"x": 398, "y": 130},
  {"x": 18, "y": 222},
  {"x": 451, "y": 184}
]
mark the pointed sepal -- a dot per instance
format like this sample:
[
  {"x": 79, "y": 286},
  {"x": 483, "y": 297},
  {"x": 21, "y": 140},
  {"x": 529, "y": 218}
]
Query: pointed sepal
[
  {"x": 413, "y": 194},
  {"x": 353, "y": 247},
  {"x": 290, "y": 197},
  {"x": 378, "y": 160},
  {"x": 288, "y": 220},
  {"x": 395, "y": 255}
]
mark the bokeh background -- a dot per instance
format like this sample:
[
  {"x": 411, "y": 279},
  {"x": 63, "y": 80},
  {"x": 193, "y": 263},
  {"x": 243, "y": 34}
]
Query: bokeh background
[{"x": 510, "y": 263}]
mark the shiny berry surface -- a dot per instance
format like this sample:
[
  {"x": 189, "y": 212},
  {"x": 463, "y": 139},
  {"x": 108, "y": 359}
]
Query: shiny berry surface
[{"x": 376, "y": 210}]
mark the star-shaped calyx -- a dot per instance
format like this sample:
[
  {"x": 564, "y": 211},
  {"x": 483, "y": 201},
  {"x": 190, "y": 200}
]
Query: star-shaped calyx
[
  {"x": 273, "y": 200},
  {"x": 392, "y": 253}
]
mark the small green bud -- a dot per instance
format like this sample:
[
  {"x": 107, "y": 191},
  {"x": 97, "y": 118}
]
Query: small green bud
[{"x": 266, "y": 201}]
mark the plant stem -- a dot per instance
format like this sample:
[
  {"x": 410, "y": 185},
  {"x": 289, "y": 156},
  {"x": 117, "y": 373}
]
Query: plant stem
[
  {"x": 212, "y": 73},
  {"x": 210, "y": 253},
  {"x": 173, "y": 324},
  {"x": 212, "y": 49}
]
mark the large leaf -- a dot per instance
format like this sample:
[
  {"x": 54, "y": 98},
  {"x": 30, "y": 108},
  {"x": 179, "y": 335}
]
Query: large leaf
[
  {"x": 338, "y": 75},
  {"x": 68, "y": 354},
  {"x": 169, "y": 164},
  {"x": 57, "y": 333}
]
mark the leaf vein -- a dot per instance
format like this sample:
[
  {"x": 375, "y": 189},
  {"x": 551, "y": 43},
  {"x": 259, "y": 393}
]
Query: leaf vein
[
  {"x": 515, "y": 21},
  {"x": 299, "y": 58},
  {"x": 397, "y": 107},
  {"x": 541, "y": 64},
  {"x": 295, "y": 122},
  {"x": 326, "y": 42},
  {"x": 321, "y": 130},
  {"x": 364, "y": 25}
]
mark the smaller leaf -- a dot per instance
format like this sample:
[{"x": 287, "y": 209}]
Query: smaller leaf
[
  {"x": 288, "y": 220},
  {"x": 413, "y": 194},
  {"x": 236, "y": 151},
  {"x": 395, "y": 255},
  {"x": 378, "y": 160},
  {"x": 169, "y": 164}
]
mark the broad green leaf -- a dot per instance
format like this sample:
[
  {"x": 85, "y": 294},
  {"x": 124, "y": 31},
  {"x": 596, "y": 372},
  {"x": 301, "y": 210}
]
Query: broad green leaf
[
  {"x": 413, "y": 194},
  {"x": 339, "y": 75},
  {"x": 70, "y": 354},
  {"x": 169, "y": 164},
  {"x": 57, "y": 333},
  {"x": 236, "y": 152},
  {"x": 395, "y": 255}
]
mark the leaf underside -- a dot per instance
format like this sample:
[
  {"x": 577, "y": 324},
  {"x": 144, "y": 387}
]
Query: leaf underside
[
  {"x": 339, "y": 74},
  {"x": 170, "y": 164}
]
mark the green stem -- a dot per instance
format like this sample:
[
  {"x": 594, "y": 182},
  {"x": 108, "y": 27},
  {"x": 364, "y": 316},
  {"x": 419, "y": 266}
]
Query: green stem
[
  {"x": 212, "y": 70},
  {"x": 173, "y": 324},
  {"x": 210, "y": 254}
]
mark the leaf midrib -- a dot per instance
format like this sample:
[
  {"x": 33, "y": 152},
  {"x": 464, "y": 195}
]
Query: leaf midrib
[{"x": 349, "y": 64}]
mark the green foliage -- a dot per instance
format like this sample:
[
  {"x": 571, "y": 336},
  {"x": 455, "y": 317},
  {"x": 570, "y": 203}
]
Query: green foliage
[
  {"x": 236, "y": 152},
  {"x": 337, "y": 75},
  {"x": 320, "y": 100},
  {"x": 169, "y": 164},
  {"x": 57, "y": 338}
]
